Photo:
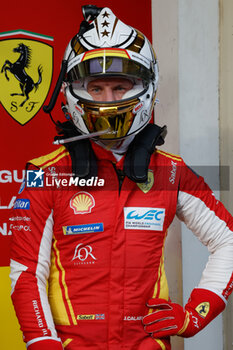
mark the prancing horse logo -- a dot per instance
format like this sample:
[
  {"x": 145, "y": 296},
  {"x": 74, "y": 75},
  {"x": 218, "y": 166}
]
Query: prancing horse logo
[
  {"x": 18, "y": 70},
  {"x": 26, "y": 70},
  {"x": 203, "y": 309}
]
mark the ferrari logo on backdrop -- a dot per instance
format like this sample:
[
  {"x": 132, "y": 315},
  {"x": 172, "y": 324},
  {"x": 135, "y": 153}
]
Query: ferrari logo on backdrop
[{"x": 26, "y": 67}]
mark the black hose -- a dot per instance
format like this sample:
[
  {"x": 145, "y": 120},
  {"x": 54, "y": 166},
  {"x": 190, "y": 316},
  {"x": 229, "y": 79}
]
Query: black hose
[{"x": 49, "y": 108}]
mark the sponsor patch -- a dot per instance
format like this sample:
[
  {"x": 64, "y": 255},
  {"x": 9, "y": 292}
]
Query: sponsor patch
[
  {"x": 20, "y": 227},
  {"x": 81, "y": 229},
  {"x": 83, "y": 253},
  {"x": 82, "y": 203},
  {"x": 20, "y": 218},
  {"x": 172, "y": 177},
  {"x": 203, "y": 309},
  {"x": 22, "y": 204},
  {"x": 146, "y": 186},
  {"x": 133, "y": 318},
  {"x": 138, "y": 218},
  {"x": 91, "y": 317}
]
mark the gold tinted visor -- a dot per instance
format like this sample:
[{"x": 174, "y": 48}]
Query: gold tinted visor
[{"x": 116, "y": 119}]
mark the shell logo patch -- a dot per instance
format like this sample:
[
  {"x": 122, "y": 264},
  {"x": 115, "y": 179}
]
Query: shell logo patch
[
  {"x": 26, "y": 67},
  {"x": 82, "y": 203},
  {"x": 203, "y": 309}
]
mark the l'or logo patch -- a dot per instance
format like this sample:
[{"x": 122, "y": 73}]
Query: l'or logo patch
[
  {"x": 146, "y": 186},
  {"x": 203, "y": 309},
  {"x": 26, "y": 68}
]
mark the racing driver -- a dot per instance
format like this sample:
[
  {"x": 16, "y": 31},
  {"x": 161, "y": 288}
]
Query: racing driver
[{"x": 96, "y": 233}]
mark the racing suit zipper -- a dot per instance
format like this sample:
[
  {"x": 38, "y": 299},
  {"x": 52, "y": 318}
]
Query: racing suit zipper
[{"x": 120, "y": 176}]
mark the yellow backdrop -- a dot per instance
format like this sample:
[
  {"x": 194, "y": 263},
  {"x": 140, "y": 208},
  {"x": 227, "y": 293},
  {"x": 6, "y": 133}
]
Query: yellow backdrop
[{"x": 11, "y": 337}]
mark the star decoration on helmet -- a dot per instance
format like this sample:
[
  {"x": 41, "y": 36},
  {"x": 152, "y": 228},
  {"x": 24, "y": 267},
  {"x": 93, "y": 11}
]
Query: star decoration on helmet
[
  {"x": 105, "y": 24},
  {"x": 105, "y": 33},
  {"x": 105, "y": 14}
]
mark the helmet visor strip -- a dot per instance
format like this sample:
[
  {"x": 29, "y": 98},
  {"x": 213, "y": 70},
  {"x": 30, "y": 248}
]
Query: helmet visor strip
[{"x": 105, "y": 62}]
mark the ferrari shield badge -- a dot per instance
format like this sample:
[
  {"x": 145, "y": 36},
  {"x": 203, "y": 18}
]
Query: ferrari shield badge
[
  {"x": 146, "y": 186},
  {"x": 26, "y": 67}
]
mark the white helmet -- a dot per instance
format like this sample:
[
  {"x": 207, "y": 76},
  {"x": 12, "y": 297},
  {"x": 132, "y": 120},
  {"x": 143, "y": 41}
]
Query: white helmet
[{"x": 108, "y": 48}]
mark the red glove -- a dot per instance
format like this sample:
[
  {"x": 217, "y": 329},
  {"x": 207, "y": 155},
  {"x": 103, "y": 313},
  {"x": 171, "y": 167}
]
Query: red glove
[
  {"x": 168, "y": 318},
  {"x": 45, "y": 344}
]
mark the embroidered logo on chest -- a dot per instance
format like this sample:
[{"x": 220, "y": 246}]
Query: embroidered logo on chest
[
  {"x": 138, "y": 218},
  {"x": 146, "y": 186},
  {"x": 82, "y": 203}
]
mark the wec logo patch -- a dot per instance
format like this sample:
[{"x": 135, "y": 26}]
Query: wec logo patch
[{"x": 137, "y": 218}]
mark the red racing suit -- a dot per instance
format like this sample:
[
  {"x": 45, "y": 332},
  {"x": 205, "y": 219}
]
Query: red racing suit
[{"x": 101, "y": 248}]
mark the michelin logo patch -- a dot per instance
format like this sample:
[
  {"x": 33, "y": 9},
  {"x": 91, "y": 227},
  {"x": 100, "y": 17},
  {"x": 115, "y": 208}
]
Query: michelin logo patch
[
  {"x": 138, "y": 218},
  {"x": 81, "y": 229}
]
